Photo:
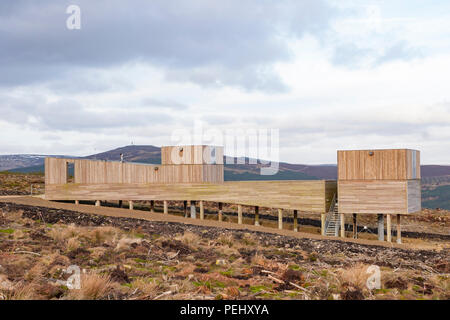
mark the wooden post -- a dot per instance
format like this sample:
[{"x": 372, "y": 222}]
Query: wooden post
[
  {"x": 202, "y": 210},
  {"x": 131, "y": 204},
  {"x": 381, "y": 227},
  {"x": 256, "y": 216},
  {"x": 322, "y": 223},
  {"x": 98, "y": 203},
  {"x": 185, "y": 208},
  {"x": 388, "y": 228},
  {"x": 220, "y": 214},
  {"x": 399, "y": 230},
  {"x": 77, "y": 202},
  {"x": 193, "y": 210},
  {"x": 355, "y": 227},
  {"x": 295, "y": 220},
  {"x": 342, "y": 216},
  {"x": 239, "y": 214},
  {"x": 280, "y": 219},
  {"x": 152, "y": 206},
  {"x": 166, "y": 207}
]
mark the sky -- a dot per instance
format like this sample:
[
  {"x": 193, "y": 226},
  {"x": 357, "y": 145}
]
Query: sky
[{"x": 328, "y": 75}]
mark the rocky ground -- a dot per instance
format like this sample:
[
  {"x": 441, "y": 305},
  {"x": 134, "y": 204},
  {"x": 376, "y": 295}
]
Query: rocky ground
[{"x": 126, "y": 258}]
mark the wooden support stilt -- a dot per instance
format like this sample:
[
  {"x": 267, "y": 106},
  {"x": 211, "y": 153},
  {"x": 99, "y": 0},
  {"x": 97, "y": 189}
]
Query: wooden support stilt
[
  {"x": 185, "y": 203},
  {"x": 131, "y": 205},
  {"x": 98, "y": 203},
  {"x": 388, "y": 228},
  {"x": 342, "y": 218},
  {"x": 280, "y": 219},
  {"x": 381, "y": 227},
  {"x": 399, "y": 230},
  {"x": 77, "y": 202},
  {"x": 322, "y": 223},
  {"x": 220, "y": 213},
  {"x": 193, "y": 210},
  {"x": 202, "y": 210},
  {"x": 239, "y": 214},
  {"x": 256, "y": 216},
  {"x": 166, "y": 207},
  {"x": 152, "y": 206},
  {"x": 355, "y": 227},
  {"x": 295, "y": 220}
]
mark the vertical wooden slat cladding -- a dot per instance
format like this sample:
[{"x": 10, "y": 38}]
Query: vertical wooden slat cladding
[
  {"x": 55, "y": 170},
  {"x": 102, "y": 172},
  {"x": 414, "y": 196},
  {"x": 372, "y": 196},
  {"x": 394, "y": 164}
]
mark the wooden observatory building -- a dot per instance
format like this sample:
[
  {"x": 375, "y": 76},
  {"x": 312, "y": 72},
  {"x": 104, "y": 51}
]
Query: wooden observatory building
[
  {"x": 382, "y": 182},
  {"x": 379, "y": 181}
]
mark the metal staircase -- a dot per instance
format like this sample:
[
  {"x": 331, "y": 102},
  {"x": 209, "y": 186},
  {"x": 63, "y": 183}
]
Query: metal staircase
[{"x": 332, "y": 222}]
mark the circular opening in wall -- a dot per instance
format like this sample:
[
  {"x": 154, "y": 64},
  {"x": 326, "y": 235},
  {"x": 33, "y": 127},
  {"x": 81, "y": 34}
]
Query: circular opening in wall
[
  {"x": 181, "y": 152},
  {"x": 370, "y": 153}
]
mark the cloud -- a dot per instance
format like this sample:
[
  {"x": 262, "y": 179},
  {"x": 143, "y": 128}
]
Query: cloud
[
  {"x": 164, "y": 103},
  {"x": 69, "y": 115},
  {"x": 230, "y": 42}
]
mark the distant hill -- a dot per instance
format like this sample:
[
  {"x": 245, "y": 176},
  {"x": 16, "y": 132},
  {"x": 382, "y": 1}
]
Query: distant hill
[
  {"x": 13, "y": 161},
  {"x": 436, "y": 197},
  {"x": 432, "y": 175}
]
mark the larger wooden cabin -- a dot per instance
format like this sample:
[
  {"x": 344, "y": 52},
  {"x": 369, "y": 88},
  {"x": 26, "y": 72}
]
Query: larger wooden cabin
[{"x": 379, "y": 181}]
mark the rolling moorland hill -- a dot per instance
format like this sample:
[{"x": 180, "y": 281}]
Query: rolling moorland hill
[{"x": 435, "y": 178}]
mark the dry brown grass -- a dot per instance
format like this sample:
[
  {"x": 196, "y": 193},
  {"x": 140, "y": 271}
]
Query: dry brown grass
[
  {"x": 189, "y": 238},
  {"x": 147, "y": 286},
  {"x": 126, "y": 242},
  {"x": 355, "y": 276},
  {"x": 93, "y": 287},
  {"x": 105, "y": 234},
  {"x": 13, "y": 215},
  {"x": 72, "y": 244},
  {"x": 21, "y": 291}
]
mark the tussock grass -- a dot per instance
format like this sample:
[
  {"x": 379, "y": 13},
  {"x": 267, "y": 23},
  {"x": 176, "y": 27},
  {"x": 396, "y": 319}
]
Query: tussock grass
[{"x": 93, "y": 287}]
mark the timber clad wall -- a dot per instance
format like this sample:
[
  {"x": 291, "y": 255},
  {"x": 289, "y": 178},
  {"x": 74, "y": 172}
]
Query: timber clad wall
[
  {"x": 379, "y": 181},
  {"x": 414, "y": 196},
  {"x": 97, "y": 171},
  {"x": 303, "y": 195},
  {"x": 397, "y": 164}
]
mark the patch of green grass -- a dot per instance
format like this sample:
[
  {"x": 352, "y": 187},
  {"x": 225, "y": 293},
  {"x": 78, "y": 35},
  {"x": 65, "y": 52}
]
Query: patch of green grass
[
  {"x": 256, "y": 289},
  {"x": 8, "y": 231},
  {"x": 139, "y": 260},
  {"x": 228, "y": 273},
  {"x": 294, "y": 267}
]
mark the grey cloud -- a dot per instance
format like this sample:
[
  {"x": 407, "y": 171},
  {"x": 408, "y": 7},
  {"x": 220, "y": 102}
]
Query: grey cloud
[
  {"x": 69, "y": 115},
  {"x": 236, "y": 41}
]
